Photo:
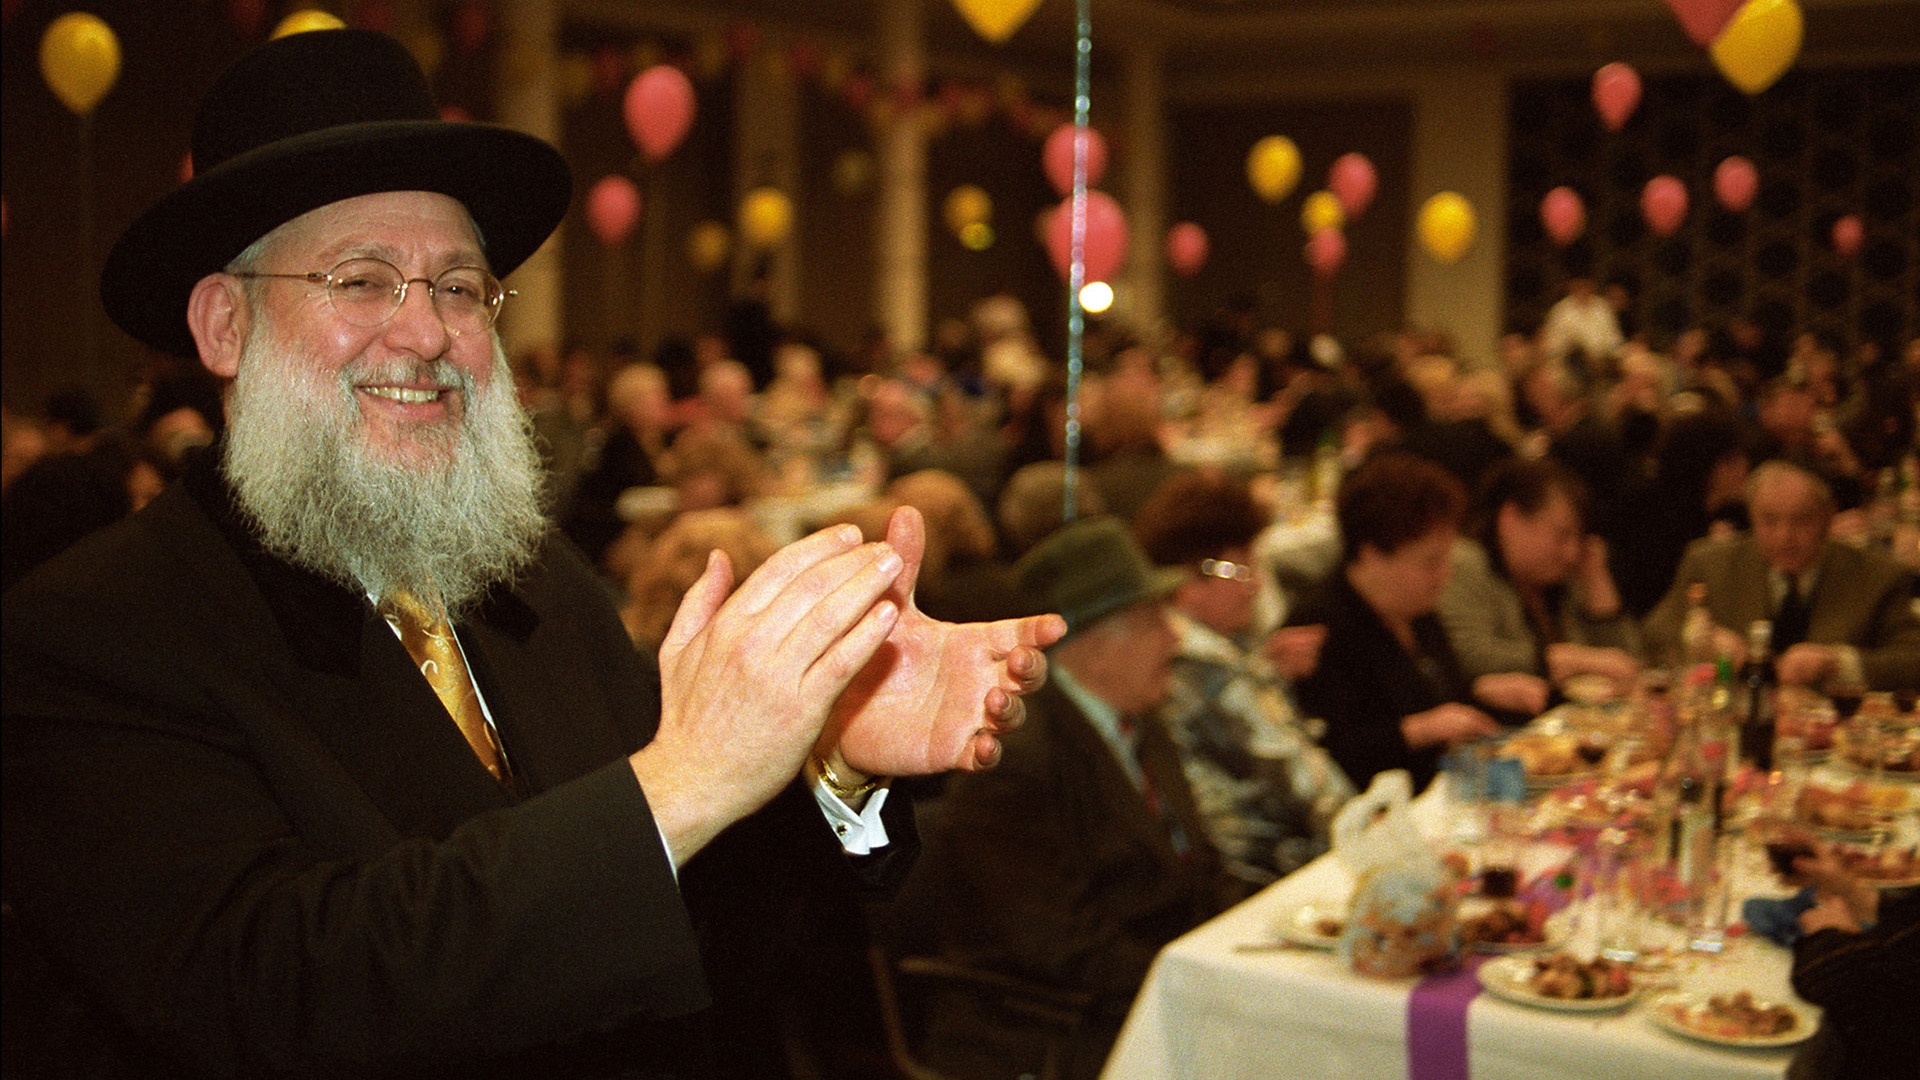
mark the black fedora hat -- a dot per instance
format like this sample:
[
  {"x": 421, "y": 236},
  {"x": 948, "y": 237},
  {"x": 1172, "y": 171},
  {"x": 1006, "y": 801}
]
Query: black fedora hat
[{"x": 308, "y": 120}]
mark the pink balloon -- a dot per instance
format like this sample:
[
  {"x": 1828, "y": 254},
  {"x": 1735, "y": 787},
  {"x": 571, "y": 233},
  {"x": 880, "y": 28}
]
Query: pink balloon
[
  {"x": 1187, "y": 248},
  {"x": 1326, "y": 251},
  {"x": 1704, "y": 19},
  {"x": 1847, "y": 236},
  {"x": 659, "y": 110},
  {"x": 1106, "y": 237},
  {"x": 613, "y": 207},
  {"x": 1616, "y": 93},
  {"x": 249, "y": 17},
  {"x": 472, "y": 22},
  {"x": 1056, "y": 157},
  {"x": 374, "y": 15},
  {"x": 1564, "y": 215},
  {"x": 1353, "y": 181},
  {"x": 1735, "y": 182},
  {"x": 1663, "y": 203}
]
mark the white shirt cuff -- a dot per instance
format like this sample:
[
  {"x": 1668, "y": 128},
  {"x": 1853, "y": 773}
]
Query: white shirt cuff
[{"x": 859, "y": 832}]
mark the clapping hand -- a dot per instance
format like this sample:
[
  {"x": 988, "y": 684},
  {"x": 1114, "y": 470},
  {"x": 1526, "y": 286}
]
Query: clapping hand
[{"x": 936, "y": 695}]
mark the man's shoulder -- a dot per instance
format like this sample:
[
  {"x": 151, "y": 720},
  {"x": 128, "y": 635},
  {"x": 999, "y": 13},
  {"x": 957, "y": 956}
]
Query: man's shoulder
[
  {"x": 1736, "y": 550},
  {"x": 1470, "y": 561},
  {"x": 145, "y": 552},
  {"x": 1869, "y": 568}
]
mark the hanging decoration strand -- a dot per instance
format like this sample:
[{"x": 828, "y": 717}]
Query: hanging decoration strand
[{"x": 1077, "y": 251}]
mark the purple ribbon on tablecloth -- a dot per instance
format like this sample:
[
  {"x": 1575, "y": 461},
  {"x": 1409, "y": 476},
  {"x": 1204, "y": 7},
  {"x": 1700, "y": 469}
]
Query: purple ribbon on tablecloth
[{"x": 1437, "y": 1023}]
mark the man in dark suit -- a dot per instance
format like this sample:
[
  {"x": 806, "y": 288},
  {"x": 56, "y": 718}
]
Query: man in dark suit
[
  {"x": 1072, "y": 863},
  {"x": 1838, "y": 611},
  {"x": 335, "y": 761}
]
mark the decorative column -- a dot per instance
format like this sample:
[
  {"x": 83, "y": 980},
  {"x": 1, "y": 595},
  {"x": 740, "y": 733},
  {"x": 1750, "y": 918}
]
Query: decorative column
[
  {"x": 766, "y": 153},
  {"x": 1142, "y": 302},
  {"x": 1460, "y": 144},
  {"x": 529, "y": 90},
  {"x": 900, "y": 294}
]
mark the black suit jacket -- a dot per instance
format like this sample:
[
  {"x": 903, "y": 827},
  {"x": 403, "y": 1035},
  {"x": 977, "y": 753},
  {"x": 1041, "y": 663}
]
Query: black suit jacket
[
  {"x": 1051, "y": 867},
  {"x": 243, "y": 824}
]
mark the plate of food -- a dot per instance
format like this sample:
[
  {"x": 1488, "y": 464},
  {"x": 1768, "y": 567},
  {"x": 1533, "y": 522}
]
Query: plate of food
[
  {"x": 1589, "y": 688},
  {"x": 1888, "y": 868},
  {"x": 1559, "y": 981},
  {"x": 1736, "y": 1019},
  {"x": 1899, "y": 751},
  {"x": 1551, "y": 758},
  {"x": 1502, "y": 926},
  {"x": 1314, "y": 924},
  {"x": 1851, "y": 809}
]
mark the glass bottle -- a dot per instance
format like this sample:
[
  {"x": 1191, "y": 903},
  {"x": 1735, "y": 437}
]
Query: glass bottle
[
  {"x": 1760, "y": 692},
  {"x": 1696, "y": 631}
]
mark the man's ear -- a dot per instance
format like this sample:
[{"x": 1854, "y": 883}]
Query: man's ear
[{"x": 218, "y": 317}]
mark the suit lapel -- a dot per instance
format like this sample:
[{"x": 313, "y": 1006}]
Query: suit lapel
[
  {"x": 330, "y": 663},
  {"x": 1116, "y": 797},
  {"x": 554, "y": 730}
]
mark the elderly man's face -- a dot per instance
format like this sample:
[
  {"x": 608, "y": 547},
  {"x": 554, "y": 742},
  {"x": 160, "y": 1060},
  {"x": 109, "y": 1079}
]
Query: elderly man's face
[
  {"x": 1790, "y": 522},
  {"x": 394, "y": 456},
  {"x": 409, "y": 412},
  {"x": 1127, "y": 657}
]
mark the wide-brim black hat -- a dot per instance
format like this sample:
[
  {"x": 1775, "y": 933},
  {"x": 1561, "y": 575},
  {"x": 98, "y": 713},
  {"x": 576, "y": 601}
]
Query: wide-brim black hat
[{"x": 308, "y": 120}]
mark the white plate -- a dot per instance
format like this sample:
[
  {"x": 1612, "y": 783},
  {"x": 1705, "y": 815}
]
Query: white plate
[
  {"x": 1507, "y": 977},
  {"x": 1589, "y": 689},
  {"x": 1299, "y": 924},
  {"x": 1668, "y": 1009}
]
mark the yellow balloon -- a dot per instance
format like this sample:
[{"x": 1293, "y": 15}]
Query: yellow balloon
[
  {"x": 1322, "y": 210},
  {"x": 80, "y": 59},
  {"x": 1446, "y": 226},
  {"x": 766, "y": 216},
  {"x": 967, "y": 205},
  {"x": 852, "y": 172},
  {"x": 996, "y": 20},
  {"x": 1759, "y": 44},
  {"x": 305, "y": 20},
  {"x": 707, "y": 246},
  {"x": 1273, "y": 167},
  {"x": 429, "y": 49}
]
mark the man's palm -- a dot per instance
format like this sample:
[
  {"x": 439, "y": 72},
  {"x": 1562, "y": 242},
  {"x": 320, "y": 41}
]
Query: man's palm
[{"x": 937, "y": 693}]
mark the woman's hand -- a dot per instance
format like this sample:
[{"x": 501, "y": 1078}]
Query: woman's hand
[
  {"x": 1513, "y": 691},
  {"x": 1446, "y": 725},
  {"x": 1294, "y": 651}
]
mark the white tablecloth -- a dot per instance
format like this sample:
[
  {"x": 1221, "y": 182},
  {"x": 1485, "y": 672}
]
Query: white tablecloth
[{"x": 1211, "y": 1011}]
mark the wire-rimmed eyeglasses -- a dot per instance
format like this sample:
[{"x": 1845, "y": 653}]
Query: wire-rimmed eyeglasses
[
  {"x": 366, "y": 292},
  {"x": 1227, "y": 571}
]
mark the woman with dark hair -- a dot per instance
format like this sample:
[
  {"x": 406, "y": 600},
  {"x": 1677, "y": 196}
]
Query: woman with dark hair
[
  {"x": 1388, "y": 686},
  {"x": 1531, "y": 591}
]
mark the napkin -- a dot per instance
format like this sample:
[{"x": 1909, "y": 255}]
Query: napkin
[{"x": 1777, "y": 919}]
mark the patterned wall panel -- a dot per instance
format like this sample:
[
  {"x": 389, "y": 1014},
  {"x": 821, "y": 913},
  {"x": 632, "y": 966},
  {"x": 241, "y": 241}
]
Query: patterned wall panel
[{"x": 1825, "y": 144}]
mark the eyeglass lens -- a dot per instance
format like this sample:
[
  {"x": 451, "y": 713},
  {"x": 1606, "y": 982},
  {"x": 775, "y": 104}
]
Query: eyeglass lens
[
  {"x": 366, "y": 292},
  {"x": 1229, "y": 571}
]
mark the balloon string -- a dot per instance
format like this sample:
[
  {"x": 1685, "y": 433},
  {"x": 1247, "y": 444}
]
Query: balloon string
[{"x": 1077, "y": 254}]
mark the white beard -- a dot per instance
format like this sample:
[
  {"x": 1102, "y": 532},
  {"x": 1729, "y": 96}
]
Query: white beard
[{"x": 297, "y": 457}]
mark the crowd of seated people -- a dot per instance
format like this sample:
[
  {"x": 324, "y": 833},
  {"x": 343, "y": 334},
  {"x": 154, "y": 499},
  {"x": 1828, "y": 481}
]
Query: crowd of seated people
[{"x": 1499, "y": 527}]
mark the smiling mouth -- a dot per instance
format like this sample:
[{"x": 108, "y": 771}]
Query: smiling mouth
[{"x": 404, "y": 394}]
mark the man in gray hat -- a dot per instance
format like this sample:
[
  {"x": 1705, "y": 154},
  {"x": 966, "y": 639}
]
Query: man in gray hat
[
  {"x": 335, "y": 761},
  {"x": 1082, "y": 854}
]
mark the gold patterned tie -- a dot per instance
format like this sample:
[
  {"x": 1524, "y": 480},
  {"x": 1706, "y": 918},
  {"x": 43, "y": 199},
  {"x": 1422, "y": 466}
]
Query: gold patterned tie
[{"x": 430, "y": 642}]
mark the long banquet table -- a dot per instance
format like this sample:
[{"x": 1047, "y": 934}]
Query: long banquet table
[{"x": 1222, "y": 1003}]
